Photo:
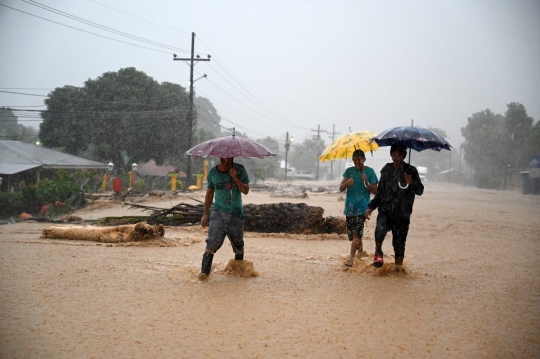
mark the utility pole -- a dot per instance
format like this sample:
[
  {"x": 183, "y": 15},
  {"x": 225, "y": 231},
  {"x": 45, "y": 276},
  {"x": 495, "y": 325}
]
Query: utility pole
[
  {"x": 332, "y": 163},
  {"x": 192, "y": 60},
  {"x": 318, "y": 130},
  {"x": 288, "y": 141}
]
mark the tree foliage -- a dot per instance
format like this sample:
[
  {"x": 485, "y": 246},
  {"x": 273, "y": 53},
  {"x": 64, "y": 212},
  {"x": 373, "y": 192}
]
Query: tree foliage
[
  {"x": 495, "y": 143},
  {"x": 518, "y": 127},
  {"x": 126, "y": 116},
  {"x": 305, "y": 156},
  {"x": 263, "y": 168},
  {"x": 12, "y": 130},
  {"x": 65, "y": 123},
  {"x": 207, "y": 117}
]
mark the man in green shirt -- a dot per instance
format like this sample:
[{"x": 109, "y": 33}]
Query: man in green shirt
[{"x": 226, "y": 182}]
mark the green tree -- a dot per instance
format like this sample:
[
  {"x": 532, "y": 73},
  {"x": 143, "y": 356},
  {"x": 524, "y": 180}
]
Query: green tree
[
  {"x": 518, "y": 135},
  {"x": 304, "y": 156},
  {"x": 11, "y": 129},
  {"x": 124, "y": 117},
  {"x": 263, "y": 168},
  {"x": 207, "y": 117},
  {"x": 484, "y": 148},
  {"x": 534, "y": 140},
  {"x": 8, "y": 123},
  {"x": 65, "y": 122}
]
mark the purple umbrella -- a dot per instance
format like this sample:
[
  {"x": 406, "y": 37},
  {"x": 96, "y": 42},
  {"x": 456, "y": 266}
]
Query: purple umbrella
[{"x": 230, "y": 146}]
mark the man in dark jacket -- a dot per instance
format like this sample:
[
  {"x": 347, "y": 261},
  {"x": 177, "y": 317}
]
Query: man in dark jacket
[{"x": 399, "y": 184}]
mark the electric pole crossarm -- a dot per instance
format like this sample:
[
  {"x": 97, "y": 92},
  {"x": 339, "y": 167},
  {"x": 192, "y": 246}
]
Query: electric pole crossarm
[{"x": 197, "y": 60}]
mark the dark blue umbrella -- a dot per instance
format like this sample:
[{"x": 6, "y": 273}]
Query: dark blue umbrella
[{"x": 416, "y": 138}]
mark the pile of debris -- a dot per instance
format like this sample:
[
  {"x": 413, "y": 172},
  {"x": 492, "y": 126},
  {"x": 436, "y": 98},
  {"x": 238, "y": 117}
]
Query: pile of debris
[
  {"x": 183, "y": 214},
  {"x": 297, "y": 218}
]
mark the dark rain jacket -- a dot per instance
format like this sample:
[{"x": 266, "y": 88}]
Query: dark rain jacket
[{"x": 392, "y": 199}]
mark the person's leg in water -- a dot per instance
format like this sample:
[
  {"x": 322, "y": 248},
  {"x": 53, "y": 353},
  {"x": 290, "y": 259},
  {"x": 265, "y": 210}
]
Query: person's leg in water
[
  {"x": 399, "y": 238},
  {"x": 206, "y": 265},
  {"x": 355, "y": 232},
  {"x": 380, "y": 234},
  {"x": 235, "y": 232},
  {"x": 214, "y": 241}
]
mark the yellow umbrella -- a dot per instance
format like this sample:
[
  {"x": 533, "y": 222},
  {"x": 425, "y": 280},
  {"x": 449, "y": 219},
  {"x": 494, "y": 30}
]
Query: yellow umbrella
[{"x": 344, "y": 146}]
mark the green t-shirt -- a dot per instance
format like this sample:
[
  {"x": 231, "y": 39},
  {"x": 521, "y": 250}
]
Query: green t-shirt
[
  {"x": 227, "y": 196},
  {"x": 357, "y": 199}
]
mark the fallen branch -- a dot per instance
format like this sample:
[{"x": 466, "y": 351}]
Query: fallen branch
[{"x": 127, "y": 233}]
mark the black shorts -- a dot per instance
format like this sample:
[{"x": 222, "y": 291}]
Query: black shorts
[{"x": 355, "y": 224}]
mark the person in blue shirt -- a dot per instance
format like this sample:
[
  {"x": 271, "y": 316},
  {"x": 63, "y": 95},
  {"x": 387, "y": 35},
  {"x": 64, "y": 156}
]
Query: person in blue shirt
[
  {"x": 226, "y": 182},
  {"x": 359, "y": 181}
]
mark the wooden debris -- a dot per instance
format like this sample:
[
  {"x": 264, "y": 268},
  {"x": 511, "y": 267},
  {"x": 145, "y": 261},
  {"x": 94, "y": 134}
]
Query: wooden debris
[
  {"x": 298, "y": 218},
  {"x": 119, "y": 234},
  {"x": 289, "y": 194},
  {"x": 180, "y": 215}
]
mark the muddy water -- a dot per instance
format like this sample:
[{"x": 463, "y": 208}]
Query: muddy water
[{"x": 472, "y": 290}]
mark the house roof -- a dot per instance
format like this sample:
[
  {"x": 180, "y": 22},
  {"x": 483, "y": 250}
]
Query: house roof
[
  {"x": 16, "y": 156},
  {"x": 151, "y": 169}
]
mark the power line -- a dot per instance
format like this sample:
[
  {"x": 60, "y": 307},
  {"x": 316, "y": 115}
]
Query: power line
[
  {"x": 21, "y": 93},
  {"x": 265, "y": 124},
  {"x": 251, "y": 94},
  {"x": 116, "y": 112},
  {"x": 88, "y": 32},
  {"x": 102, "y": 27},
  {"x": 24, "y": 88},
  {"x": 260, "y": 103},
  {"x": 140, "y": 18}
]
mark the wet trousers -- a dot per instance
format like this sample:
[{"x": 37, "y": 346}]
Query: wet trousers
[
  {"x": 400, "y": 228},
  {"x": 225, "y": 224}
]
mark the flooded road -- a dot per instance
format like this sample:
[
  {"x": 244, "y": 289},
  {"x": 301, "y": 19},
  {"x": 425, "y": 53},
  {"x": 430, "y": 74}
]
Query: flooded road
[{"x": 471, "y": 291}]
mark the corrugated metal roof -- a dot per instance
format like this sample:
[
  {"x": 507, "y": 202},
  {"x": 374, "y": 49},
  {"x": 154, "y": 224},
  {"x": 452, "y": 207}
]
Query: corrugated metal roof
[
  {"x": 16, "y": 156},
  {"x": 11, "y": 168}
]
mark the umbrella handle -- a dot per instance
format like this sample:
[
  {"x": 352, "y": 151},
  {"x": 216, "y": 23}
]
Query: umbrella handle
[{"x": 400, "y": 186}]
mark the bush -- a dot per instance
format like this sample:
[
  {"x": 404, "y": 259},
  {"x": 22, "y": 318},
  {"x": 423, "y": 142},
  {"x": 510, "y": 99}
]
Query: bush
[
  {"x": 61, "y": 194},
  {"x": 29, "y": 201},
  {"x": 10, "y": 204},
  {"x": 51, "y": 191}
]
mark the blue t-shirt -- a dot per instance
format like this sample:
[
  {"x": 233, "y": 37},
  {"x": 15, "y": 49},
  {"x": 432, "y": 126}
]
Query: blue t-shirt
[
  {"x": 357, "y": 199},
  {"x": 227, "y": 196}
]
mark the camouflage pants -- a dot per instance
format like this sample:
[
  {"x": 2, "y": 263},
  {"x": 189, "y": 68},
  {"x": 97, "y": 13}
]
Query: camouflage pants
[
  {"x": 223, "y": 224},
  {"x": 399, "y": 227}
]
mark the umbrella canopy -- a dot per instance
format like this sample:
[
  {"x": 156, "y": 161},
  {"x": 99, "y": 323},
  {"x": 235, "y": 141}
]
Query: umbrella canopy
[
  {"x": 344, "y": 146},
  {"x": 416, "y": 138},
  {"x": 230, "y": 146}
]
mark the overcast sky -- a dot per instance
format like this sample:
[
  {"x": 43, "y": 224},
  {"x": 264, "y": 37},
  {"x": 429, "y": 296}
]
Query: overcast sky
[{"x": 358, "y": 65}]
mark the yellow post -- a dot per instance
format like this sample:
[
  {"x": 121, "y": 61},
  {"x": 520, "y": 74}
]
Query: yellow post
[
  {"x": 199, "y": 180},
  {"x": 104, "y": 183},
  {"x": 173, "y": 181},
  {"x": 205, "y": 170},
  {"x": 130, "y": 178}
]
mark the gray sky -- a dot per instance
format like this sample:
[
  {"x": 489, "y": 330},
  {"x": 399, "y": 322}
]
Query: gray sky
[{"x": 363, "y": 65}]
